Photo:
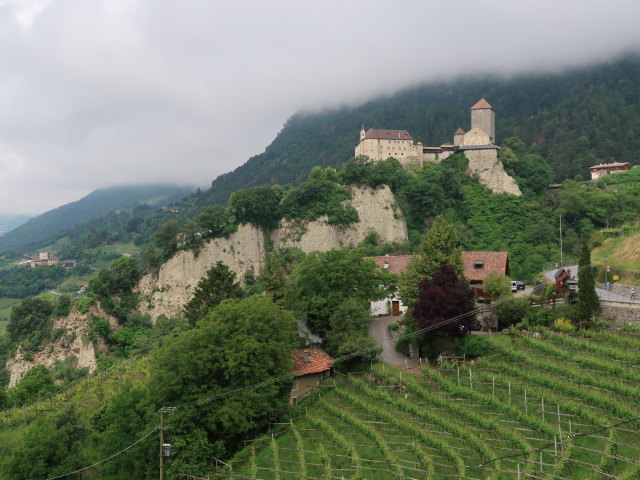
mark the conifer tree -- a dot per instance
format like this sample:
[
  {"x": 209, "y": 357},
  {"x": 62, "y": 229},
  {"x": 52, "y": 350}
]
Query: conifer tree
[
  {"x": 218, "y": 284},
  {"x": 588, "y": 302},
  {"x": 441, "y": 245}
]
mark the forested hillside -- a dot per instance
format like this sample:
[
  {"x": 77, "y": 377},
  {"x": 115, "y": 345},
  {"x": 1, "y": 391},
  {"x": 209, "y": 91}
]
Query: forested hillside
[
  {"x": 94, "y": 205},
  {"x": 575, "y": 119}
]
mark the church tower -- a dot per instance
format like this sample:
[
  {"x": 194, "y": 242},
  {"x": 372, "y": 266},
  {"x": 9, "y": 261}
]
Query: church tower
[{"x": 483, "y": 116}]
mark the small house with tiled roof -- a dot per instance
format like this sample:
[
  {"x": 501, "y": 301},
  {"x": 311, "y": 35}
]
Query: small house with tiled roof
[
  {"x": 477, "y": 265},
  {"x": 310, "y": 366},
  {"x": 598, "y": 171},
  {"x": 391, "y": 305}
]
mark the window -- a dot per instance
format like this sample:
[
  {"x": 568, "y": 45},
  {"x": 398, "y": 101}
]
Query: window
[{"x": 478, "y": 264}]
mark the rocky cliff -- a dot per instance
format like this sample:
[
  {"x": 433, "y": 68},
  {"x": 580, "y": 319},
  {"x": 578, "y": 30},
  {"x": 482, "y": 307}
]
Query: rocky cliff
[
  {"x": 72, "y": 342},
  {"x": 377, "y": 211},
  {"x": 167, "y": 292},
  {"x": 490, "y": 172}
]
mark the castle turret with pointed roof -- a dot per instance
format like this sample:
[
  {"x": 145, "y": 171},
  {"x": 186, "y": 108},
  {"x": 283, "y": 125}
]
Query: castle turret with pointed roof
[{"x": 483, "y": 117}]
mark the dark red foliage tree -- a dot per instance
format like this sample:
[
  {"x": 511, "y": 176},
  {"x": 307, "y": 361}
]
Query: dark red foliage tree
[{"x": 443, "y": 297}]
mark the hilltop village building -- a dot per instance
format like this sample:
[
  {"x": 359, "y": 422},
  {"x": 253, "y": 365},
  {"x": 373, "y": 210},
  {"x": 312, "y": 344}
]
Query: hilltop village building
[
  {"x": 601, "y": 170},
  {"x": 478, "y": 145}
]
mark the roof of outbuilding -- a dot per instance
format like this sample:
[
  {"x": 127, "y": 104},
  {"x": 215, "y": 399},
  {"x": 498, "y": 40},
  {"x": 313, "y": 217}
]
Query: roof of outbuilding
[
  {"x": 311, "y": 360},
  {"x": 492, "y": 262},
  {"x": 387, "y": 134},
  {"x": 393, "y": 263},
  {"x": 482, "y": 103},
  {"x": 459, "y": 131}
]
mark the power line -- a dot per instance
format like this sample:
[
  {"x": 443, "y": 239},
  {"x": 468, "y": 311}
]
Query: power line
[
  {"x": 108, "y": 458},
  {"x": 290, "y": 376}
]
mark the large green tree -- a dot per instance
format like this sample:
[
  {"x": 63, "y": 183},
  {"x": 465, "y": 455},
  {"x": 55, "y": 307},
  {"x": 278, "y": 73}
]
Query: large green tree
[
  {"x": 240, "y": 343},
  {"x": 441, "y": 245},
  {"x": 323, "y": 280},
  {"x": 218, "y": 284}
]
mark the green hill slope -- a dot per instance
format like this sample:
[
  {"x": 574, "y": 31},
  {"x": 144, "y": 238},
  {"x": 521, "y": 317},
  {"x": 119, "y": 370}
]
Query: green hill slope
[
  {"x": 575, "y": 119},
  {"x": 96, "y": 204}
]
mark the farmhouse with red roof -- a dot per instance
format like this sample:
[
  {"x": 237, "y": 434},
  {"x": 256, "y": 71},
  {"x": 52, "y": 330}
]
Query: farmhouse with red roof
[{"x": 310, "y": 366}]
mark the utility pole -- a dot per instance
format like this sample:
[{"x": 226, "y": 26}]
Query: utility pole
[
  {"x": 560, "y": 239},
  {"x": 162, "y": 445}
]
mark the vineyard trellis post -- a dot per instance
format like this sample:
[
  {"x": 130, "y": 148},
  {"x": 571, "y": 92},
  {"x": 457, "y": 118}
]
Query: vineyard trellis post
[
  {"x": 526, "y": 407},
  {"x": 542, "y": 403}
]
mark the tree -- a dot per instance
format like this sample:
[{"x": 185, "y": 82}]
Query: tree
[
  {"x": 440, "y": 246},
  {"x": 512, "y": 311},
  {"x": 35, "y": 383},
  {"x": 218, "y": 284},
  {"x": 257, "y": 205},
  {"x": 496, "y": 285},
  {"x": 443, "y": 297},
  {"x": 213, "y": 218},
  {"x": 349, "y": 333},
  {"x": 166, "y": 239},
  {"x": 588, "y": 302},
  {"x": 323, "y": 280},
  {"x": 30, "y": 320},
  {"x": 240, "y": 343}
]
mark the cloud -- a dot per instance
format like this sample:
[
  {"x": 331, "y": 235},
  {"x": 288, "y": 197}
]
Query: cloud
[
  {"x": 96, "y": 93},
  {"x": 10, "y": 165}
]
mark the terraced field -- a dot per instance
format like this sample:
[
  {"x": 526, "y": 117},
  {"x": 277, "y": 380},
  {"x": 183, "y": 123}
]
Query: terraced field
[{"x": 560, "y": 407}]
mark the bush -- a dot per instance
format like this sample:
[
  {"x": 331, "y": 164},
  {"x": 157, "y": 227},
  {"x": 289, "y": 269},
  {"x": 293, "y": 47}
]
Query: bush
[
  {"x": 476, "y": 346},
  {"x": 511, "y": 312},
  {"x": 83, "y": 304},
  {"x": 393, "y": 326}
]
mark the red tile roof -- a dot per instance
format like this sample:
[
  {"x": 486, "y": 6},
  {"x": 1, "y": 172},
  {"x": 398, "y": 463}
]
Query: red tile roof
[
  {"x": 310, "y": 360},
  {"x": 388, "y": 134},
  {"x": 492, "y": 262},
  {"x": 459, "y": 131},
  {"x": 482, "y": 103},
  {"x": 606, "y": 166},
  {"x": 395, "y": 263}
]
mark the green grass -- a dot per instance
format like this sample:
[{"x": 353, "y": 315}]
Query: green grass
[{"x": 395, "y": 425}]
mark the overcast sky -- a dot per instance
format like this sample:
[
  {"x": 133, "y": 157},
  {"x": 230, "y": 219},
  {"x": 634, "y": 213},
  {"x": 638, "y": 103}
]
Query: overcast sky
[{"x": 98, "y": 93}]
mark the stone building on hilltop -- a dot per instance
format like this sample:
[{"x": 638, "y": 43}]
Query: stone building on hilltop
[{"x": 478, "y": 145}]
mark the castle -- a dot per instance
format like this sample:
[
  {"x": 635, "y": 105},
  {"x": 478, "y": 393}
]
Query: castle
[{"x": 478, "y": 145}]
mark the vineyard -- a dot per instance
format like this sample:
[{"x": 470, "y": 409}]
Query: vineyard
[{"x": 556, "y": 406}]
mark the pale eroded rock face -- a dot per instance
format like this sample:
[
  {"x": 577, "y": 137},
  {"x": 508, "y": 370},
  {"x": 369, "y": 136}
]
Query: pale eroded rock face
[
  {"x": 377, "y": 212},
  {"x": 173, "y": 286},
  {"x": 167, "y": 292},
  {"x": 490, "y": 171},
  {"x": 72, "y": 343}
]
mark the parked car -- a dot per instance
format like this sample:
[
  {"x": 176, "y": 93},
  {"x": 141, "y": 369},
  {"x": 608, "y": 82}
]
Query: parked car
[
  {"x": 514, "y": 286},
  {"x": 520, "y": 284}
]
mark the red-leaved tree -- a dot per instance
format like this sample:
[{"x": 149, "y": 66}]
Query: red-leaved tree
[{"x": 444, "y": 297}]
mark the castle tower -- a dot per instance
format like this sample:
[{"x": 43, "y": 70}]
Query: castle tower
[
  {"x": 483, "y": 116},
  {"x": 458, "y": 137},
  {"x": 362, "y": 132}
]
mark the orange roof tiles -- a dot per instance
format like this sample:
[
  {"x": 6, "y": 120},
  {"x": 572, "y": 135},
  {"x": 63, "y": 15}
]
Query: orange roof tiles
[
  {"x": 482, "y": 103},
  {"x": 606, "y": 166},
  {"x": 477, "y": 265},
  {"x": 393, "y": 263},
  {"x": 387, "y": 134},
  {"x": 459, "y": 131},
  {"x": 310, "y": 360}
]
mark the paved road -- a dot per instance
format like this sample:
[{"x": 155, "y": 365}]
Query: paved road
[
  {"x": 379, "y": 329},
  {"x": 602, "y": 293}
]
